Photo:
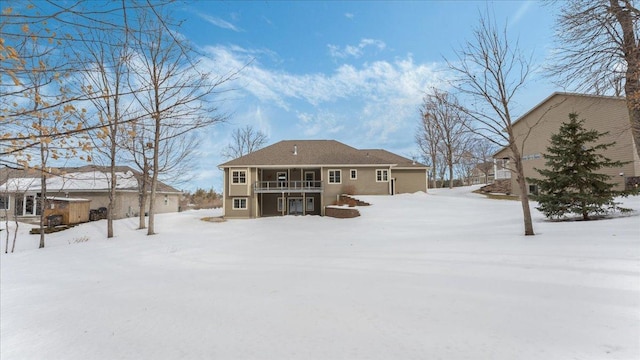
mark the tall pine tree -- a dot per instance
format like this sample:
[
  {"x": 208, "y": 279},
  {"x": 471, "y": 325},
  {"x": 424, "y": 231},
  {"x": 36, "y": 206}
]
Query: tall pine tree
[{"x": 570, "y": 183}]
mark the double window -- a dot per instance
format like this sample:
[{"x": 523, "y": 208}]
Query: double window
[
  {"x": 382, "y": 175},
  {"x": 335, "y": 176},
  {"x": 239, "y": 203},
  {"x": 239, "y": 177}
]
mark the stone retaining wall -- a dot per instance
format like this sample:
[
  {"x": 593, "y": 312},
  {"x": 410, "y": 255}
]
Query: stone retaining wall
[{"x": 341, "y": 212}]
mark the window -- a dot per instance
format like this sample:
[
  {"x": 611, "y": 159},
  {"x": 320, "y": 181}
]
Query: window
[
  {"x": 309, "y": 204},
  {"x": 166, "y": 200},
  {"x": 335, "y": 176},
  {"x": 382, "y": 175},
  {"x": 4, "y": 202},
  {"x": 239, "y": 177},
  {"x": 280, "y": 204},
  {"x": 353, "y": 174},
  {"x": 533, "y": 189},
  {"x": 239, "y": 203}
]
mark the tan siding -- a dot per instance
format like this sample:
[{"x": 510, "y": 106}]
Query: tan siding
[
  {"x": 366, "y": 183},
  {"x": 410, "y": 180},
  {"x": 534, "y": 131}
]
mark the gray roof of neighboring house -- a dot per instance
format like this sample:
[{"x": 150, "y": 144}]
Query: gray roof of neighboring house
[
  {"x": 316, "y": 153},
  {"x": 80, "y": 178}
]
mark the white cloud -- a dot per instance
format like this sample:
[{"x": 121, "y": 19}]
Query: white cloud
[
  {"x": 355, "y": 51},
  {"x": 322, "y": 122},
  {"x": 378, "y": 98},
  {"x": 219, "y": 22},
  {"x": 349, "y": 15},
  {"x": 522, "y": 10}
]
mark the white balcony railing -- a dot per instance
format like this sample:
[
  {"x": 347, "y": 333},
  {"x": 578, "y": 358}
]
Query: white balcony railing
[
  {"x": 287, "y": 186},
  {"x": 503, "y": 174}
]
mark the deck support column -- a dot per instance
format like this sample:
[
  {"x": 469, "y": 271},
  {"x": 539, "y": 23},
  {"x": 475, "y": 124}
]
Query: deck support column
[{"x": 284, "y": 204}]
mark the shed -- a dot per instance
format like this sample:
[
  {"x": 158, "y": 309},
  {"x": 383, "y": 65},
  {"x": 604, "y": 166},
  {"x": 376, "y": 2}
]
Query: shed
[{"x": 72, "y": 210}]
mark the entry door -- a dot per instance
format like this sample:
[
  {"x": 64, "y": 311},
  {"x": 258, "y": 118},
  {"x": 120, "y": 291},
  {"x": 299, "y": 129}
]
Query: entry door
[
  {"x": 295, "y": 206},
  {"x": 309, "y": 178},
  {"x": 282, "y": 179}
]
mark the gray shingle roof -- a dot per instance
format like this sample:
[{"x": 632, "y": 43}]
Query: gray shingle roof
[
  {"x": 315, "y": 153},
  {"x": 400, "y": 161}
]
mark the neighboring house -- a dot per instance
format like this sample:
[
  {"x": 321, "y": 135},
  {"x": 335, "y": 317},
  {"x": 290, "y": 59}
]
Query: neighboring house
[
  {"x": 482, "y": 173},
  {"x": 533, "y": 131},
  {"x": 20, "y": 190},
  {"x": 303, "y": 176}
]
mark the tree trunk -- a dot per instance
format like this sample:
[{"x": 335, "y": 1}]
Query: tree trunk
[
  {"x": 15, "y": 235},
  {"x": 112, "y": 194},
  {"x": 154, "y": 178},
  {"x": 143, "y": 194},
  {"x": 143, "y": 202},
  {"x": 450, "y": 175},
  {"x": 631, "y": 51},
  {"x": 6, "y": 228},
  {"x": 524, "y": 196},
  {"x": 43, "y": 191},
  {"x": 43, "y": 196},
  {"x": 434, "y": 180}
]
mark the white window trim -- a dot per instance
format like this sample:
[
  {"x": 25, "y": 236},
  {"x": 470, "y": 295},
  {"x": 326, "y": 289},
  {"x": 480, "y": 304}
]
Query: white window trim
[
  {"x": 329, "y": 176},
  {"x": 382, "y": 177},
  {"x": 351, "y": 173},
  {"x": 246, "y": 203},
  {"x": 238, "y": 171},
  {"x": 280, "y": 204},
  {"x": 309, "y": 201}
]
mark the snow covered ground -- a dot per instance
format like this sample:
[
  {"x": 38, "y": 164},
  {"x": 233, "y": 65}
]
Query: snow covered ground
[{"x": 445, "y": 275}]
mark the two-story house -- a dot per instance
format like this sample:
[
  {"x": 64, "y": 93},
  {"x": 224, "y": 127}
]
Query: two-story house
[
  {"x": 301, "y": 177},
  {"x": 533, "y": 131}
]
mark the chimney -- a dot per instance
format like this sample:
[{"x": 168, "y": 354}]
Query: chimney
[{"x": 295, "y": 149}]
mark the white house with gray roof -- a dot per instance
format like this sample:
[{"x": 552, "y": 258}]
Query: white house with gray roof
[{"x": 302, "y": 177}]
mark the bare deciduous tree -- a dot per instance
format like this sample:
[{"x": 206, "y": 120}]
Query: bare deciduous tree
[
  {"x": 490, "y": 71},
  {"x": 244, "y": 141},
  {"x": 175, "y": 95},
  {"x": 442, "y": 110},
  {"x": 598, "y": 47},
  {"x": 428, "y": 140},
  {"x": 104, "y": 71}
]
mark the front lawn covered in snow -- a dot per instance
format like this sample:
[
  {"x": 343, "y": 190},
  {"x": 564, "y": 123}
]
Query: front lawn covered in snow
[{"x": 444, "y": 275}]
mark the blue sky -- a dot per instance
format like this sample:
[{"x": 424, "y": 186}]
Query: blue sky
[{"x": 351, "y": 71}]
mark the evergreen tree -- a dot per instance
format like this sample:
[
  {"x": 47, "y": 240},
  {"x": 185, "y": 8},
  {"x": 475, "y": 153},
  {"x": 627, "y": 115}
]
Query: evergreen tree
[{"x": 570, "y": 183}]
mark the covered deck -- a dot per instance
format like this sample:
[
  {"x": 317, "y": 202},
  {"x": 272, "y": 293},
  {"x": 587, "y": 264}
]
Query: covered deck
[
  {"x": 288, "y": 186},
  {"x": 289, "y": 191}
]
